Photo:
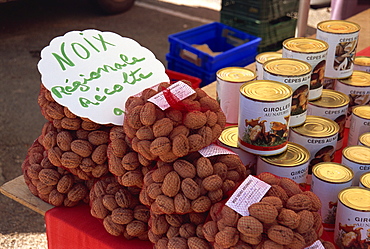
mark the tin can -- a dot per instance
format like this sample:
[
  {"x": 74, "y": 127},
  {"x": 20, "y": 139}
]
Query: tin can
[
  {"x": 360, "y": 123},
  {"x": 312, "y": 51},
  {"x": 332, "y": 105},
  {"x": 365, "y": 180},
  {"x": 362, "y": 63},
  {"x": 331, "y": 177},
  {"x": 328, "y": 83},
  {"x": 264, "y": 115},
  {"x": 357, "y": 158},
  {"x": 229, "y": 81},
  {"x": 297, "y": 75},
  {"x": 342, "y": 37},
  {"x": 293, "y": 163},
  {"x": 357, "y": 87},
  {"x": 352, "y": 222},
  {"x": 262, "y": 58},
  {"x": 364, "y": 139},
  {"x": 229, "y": 140},
  {"x": 319, "y": 136}
]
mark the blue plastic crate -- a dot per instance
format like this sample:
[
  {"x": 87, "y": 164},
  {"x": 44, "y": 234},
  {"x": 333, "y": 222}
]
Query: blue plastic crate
[
  {"x": 179, "y": 66},
  {"x": 234, "y": 45}
]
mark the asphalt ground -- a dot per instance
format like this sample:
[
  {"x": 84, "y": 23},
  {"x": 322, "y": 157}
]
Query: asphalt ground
[{"x": 26, "y": 27}]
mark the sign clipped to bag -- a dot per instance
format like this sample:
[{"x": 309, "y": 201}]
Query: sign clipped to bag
[
  {"x": 250, "y": 191},
  {"x": 93, "y": 73}
]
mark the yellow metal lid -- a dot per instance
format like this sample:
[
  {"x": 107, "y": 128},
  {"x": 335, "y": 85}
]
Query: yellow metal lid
[
  {"x": 294, "y": 155},
  {"x": 358, "y": 78},
  {"x": 265, "y": 56},
  {"x": 362, "y": 60},
  {"x": 331, "y": 99},
  {"x": 236, "y": 74},
  {"x": 316, "y": 126},
  {"x": 357, "y": 153},
  {"x": 287, "y": 67},
  {"x": 266, "y": 90},
  {"x": 338, "y": 27},
  {"x": 365, "y": 179},
  {"x": 356, "y": 198},
  {"x": 229, "y": 136},
  {"x": 364, "y": 139},
  {"x": 362, "y": 111},
  {"x": 332, "y": 172},
  {"x": 305, "y": 45}
]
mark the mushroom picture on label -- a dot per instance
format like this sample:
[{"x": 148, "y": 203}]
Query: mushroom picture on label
[
  {"x": 325, "y": 154},
  {"x": 344, "y": 53},
  {"x": 317, "y": 76},
  {"x": 300, "y": 100}
]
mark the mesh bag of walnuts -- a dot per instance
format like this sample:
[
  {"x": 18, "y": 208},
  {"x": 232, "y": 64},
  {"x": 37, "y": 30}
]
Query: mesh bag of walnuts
[
  {"x": 191, "y": 183},
  {"x": 177, "y": 231},
  {"x": 74, "y": 143},
  {"x": 286, "y": 218},
  {"x": 126, "y": 164},
  {"x": 52, "y": 184},
  {"x": 186, "y": 126},
  {"x": 119, "y": 209}
]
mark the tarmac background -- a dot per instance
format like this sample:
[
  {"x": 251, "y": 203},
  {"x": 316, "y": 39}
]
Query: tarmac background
[{"x": 26, "y": 27}]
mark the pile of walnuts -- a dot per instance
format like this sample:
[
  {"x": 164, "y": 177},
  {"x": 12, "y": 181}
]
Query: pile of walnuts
[
  {"x": 126, "y": 164},
  {"x": 286, "y": 218},
  {"x": 192, "y": 183},
  {"x": 187, "y": 126},
  {"x": 120, "y": 209},
  {"x": 52, "y": 184}
]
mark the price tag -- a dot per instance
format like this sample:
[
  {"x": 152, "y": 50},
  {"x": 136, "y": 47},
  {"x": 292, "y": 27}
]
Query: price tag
[
  {"x": 250, "y": 191},
  {"x": 179, "y": 89},
  {"x": 93, "y": 73},
  {"x": 214, "y": 150},
  {"x": 316, "y": 245}
]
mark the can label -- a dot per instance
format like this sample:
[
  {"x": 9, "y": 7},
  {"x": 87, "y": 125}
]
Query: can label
[
  {"x": 297, "y": 173},
  {"x": 321, "y": 149},
  {"x": 329, "y": 199},
  {"x": 357, "y": 96},
  {"x": 328, "y": 83},
  {"x": 342, "y": 49},
  {"x": 358, "y": 169},
  {"x": 358, "y": 126},
  {"x": 352, "y": 227},
  {"x": 263, "y": 126},
  {"x": 338, "y": 115},
  {"x": 361, "y": 68},
  {"x": 226, "y": 92},
  {"x": 229, "y": 81},
  {"x": 300, "y": 86},
  {"x": 317, "y": 61}
]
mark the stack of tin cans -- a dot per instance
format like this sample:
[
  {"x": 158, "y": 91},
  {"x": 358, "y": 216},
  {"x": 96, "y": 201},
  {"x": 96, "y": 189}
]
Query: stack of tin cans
[{"x": 293, "y": 122}]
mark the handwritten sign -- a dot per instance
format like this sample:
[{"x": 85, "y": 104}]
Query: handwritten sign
[{"x": 93, "y": 73}]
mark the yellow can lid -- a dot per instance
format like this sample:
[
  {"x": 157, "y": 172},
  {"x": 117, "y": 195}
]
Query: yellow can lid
[
  {"x": 305, "y": 45},
  {"x": 356, "y": 198},
  {"x": 332, "y": 172},
  {"x": 266, "y": 90}
]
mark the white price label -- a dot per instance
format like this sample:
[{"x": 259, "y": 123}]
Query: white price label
[
  {"x": 316, "y": 245},
  {"x": 179, "y": 89},
  {"x": 214, "y": 150},
  {"x": 251, "y": 190}
]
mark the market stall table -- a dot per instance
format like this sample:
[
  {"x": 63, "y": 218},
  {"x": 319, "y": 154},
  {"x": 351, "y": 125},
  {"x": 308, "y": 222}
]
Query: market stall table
[{"x": 75, "y": 226}]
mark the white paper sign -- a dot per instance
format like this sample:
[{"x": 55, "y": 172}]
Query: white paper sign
[
  {"x": 214, "y": 150},
  {"x": 93, "y": 73},
  {"x": 250, "y": 191},
  {"x": 316, "y": 245},
  {"x": 179, "y": 89}
]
